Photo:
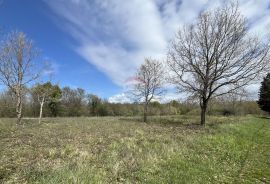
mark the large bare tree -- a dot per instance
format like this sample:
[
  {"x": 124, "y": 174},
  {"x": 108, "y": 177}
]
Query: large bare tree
[
  {"x": 17, "y": 66},
  {"x": 216, "y": 55},
  {"x": 149, "y": 82}
]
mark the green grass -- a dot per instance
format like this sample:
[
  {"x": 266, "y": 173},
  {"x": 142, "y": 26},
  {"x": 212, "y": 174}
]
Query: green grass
[{"x": 120, "y": 150}]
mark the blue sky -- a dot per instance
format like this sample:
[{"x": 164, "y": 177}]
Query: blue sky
[
  {"x": 36, "y": 20},
  {"x": 98, "y": 44}
]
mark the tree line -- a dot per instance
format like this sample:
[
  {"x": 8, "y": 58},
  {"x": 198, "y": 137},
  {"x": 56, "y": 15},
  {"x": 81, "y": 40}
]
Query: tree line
[
  {"x": 68, "y": 102},
  {"x": 213, "y": 57}
]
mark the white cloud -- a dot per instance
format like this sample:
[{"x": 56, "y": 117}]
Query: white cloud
[
  {"x": 124, "y": 98},
  {"x": 117, "y": 35},
  {"x": 120, "y": 98},
  {"x": 171, "y": 96},
  {"x": 257, "y": 13}
]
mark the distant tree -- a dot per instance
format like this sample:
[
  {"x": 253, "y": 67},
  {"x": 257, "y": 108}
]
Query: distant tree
[
  {"x": 17, "y": 56},
  {"x": 7, "y": 108},
  {"x": 229, "y": 104},
  {"x": 54, "y": 106},
  {"x": 93, "y": 102},
  {"x": 46, "y": 93},
  {"x": 264, "y": 94},
  {"x": 103, "y": 109},
  {"x": 176, "y": 106},
  {"x": 154, "y": 108},
  {"x": 216, "y": 56},
  {"x": 54, "y": 100},
  {"x": 73, "y": 101},
  {"x": 149, "y": 83}
]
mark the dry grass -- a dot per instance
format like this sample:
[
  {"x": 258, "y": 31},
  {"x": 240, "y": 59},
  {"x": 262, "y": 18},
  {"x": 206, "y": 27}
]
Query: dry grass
[{"x": 121, "y": 150}]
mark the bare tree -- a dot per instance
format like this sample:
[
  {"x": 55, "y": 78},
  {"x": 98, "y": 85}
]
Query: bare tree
[
  {"x": 16, "y": 66},
  {"x": 216, "y": 56},
  {"x": 149, "y": 81}
]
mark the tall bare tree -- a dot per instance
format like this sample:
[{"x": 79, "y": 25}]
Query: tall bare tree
[
  {"x": 16, "y": 66},
  {"x": 216, "y": 56},
  {"x": 149, "y": 82}
]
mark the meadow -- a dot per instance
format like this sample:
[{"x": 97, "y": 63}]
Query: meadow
[{"x": 172, "y": 149}]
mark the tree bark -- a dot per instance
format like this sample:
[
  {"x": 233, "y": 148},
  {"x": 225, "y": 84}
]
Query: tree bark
[
  {"x": 41, "y": 109},
  {"x": 19, "y": 109},
  {"x": 203, "y": 112}
]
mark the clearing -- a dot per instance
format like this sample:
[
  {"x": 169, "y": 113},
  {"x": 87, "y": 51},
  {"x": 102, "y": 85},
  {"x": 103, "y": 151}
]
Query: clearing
[{"x": 124, "y": 150}]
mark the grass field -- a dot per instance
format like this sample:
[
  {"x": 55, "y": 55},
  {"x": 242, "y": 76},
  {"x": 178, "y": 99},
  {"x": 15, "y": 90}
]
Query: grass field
[{"x": 122, "y": 150}]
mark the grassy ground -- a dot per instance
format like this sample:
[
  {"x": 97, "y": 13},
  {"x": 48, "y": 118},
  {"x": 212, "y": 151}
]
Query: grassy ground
[{"x": 121, "y": 150}]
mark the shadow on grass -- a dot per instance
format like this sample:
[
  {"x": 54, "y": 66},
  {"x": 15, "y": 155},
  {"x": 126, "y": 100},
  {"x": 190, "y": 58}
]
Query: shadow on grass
[
  {"x": 132, "y": 119},
  {"x": 154, "y": 120},
  {"x": 184, "y": 122},
  {"x": 170, "y": 122},
  {"x": 264, "y": 117}
]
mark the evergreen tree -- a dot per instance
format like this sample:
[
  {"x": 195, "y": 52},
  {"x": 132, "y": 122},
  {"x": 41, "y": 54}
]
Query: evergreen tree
[{"x": 264, "y": 94}]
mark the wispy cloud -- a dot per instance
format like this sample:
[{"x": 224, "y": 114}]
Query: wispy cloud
[{"x": 115, "y": 36}]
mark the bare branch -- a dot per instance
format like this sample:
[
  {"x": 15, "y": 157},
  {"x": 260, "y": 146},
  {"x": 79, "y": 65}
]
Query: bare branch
[
  {"x": 216, "y": 55},
  {"x": 149, "y": 82}
]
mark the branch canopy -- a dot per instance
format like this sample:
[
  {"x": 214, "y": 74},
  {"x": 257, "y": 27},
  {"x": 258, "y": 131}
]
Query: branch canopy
[
  {"x": 149, "y": 81},
  {"x": 17, "y": 56},
  {"x": 217, "y": 55}
]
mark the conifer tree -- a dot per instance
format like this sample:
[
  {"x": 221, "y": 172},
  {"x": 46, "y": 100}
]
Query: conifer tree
[{"x": 264, "y": 94}]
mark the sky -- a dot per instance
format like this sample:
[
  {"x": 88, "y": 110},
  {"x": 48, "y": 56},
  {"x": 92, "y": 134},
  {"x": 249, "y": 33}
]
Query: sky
[{"x": 97, "y": 45}]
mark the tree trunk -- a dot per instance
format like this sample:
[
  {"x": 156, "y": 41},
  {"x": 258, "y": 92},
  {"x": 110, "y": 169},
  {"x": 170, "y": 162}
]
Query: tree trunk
[
  {"x": 203, "y": 112},
  {"x": 19, "y": 109},
  {"x": 41, "y": 109},
  {"x": 145, "y": 113}
]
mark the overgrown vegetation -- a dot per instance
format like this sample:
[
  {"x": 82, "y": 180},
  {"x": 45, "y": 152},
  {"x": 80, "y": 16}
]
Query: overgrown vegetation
[
  {"x": 76, "y": 102},
  {"x": 111, "y": 150}
]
